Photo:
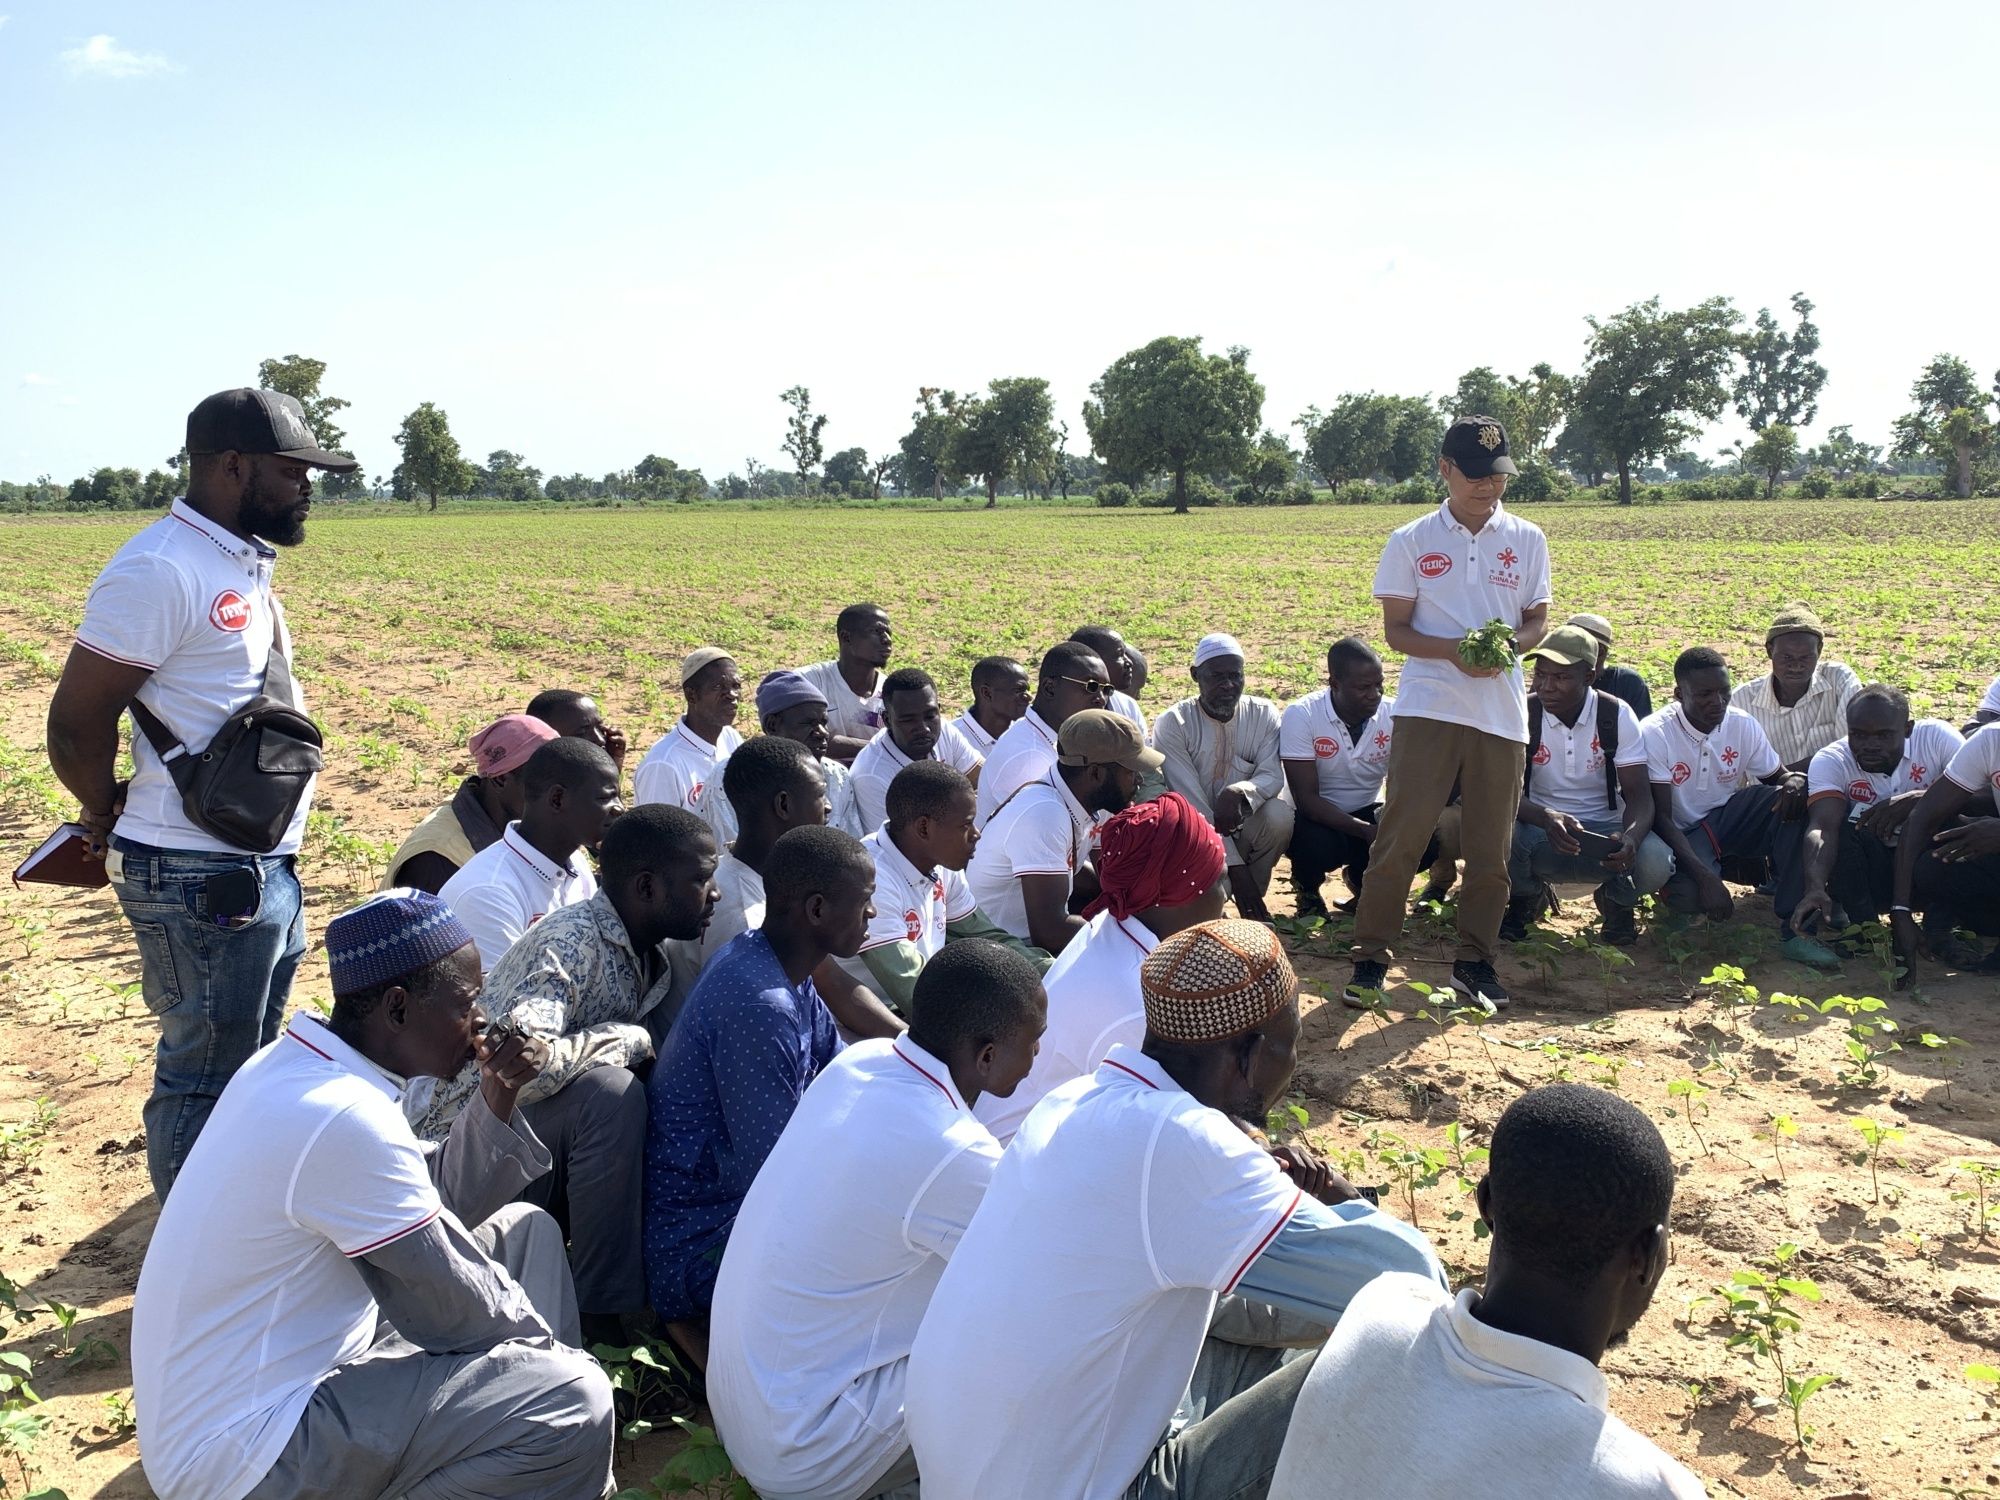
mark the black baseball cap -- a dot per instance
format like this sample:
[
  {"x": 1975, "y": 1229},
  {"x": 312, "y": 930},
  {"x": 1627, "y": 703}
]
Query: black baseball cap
[
  {"x": 1478, "y": 446},
  {"x": 250, "y": 421}
]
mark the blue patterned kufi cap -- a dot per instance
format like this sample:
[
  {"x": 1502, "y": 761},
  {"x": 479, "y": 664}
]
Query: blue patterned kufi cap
[{"x": 389, "y": 935}]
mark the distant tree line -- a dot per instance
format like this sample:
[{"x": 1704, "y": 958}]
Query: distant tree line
[{"x": 1172, "y": 425}]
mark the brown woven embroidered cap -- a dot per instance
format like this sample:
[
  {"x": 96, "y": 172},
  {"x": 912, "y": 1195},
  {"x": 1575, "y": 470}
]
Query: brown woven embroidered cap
[{"x": 1216, "y": 980}]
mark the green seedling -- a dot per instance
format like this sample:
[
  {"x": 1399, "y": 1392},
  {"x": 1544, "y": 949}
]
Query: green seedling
[
  {"x": 1692, "y": 1096},
  {"x": 21, "y": 1425},
  {"x": 1464, "y": 1158},
  {"x": 1436, "y": 1010},
  {"x": 21, "y": 1140},
  {"x": 1489, "y": 646},
  {"x": 1543, "y": 956},
  {"x": 1476, "y": 1017},
  {"x": 1696, "y": 1391},
  {"x": 1608, "y": 957},
  {"x": 1731, "y": 992},
  {"x": 1947, "y": 1049},
  {"x": 1983, "y": 1195},
  {"x": 1375, "y": 1005},
  {"x": 1287, "y": 1115},
  {"x": 1606, "y": 1067},
  {"x": 119, "y": 1420},
  {"x": 1874, "y": 1136},
  {"x": 700, "y": 1468},
  {"x": 1408, "y": 1166},
  {"x": 1783, "y": 1128},
  {"x": 1759, "y": 1308}
]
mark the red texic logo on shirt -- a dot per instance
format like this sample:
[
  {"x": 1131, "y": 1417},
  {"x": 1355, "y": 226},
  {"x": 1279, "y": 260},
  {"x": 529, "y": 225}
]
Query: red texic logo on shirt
[
  {"x": 1542, "y": 755},
  {"x": 1860, "y": 791},
  {"x": 1433, "y": 565},
  {"x": 231, "y": 611},
  {"x": 1681, "y": 772},
  {"x": 1326, "y": 748},
  {"x": 912, "y": 925}
]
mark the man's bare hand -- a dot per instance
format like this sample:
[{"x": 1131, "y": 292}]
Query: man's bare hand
[
  {"x": 1972, "y": 838},
  {"x": 1621, "y": 859},
  {"x": 97, "y": 826},
  {"x": 1885, "y": 819},
  {"x": 1310, "y": 1171},
  {"x": 1716, "y": 902},
  {"x": 507, "y": 1064},
  {"x": 1562, "y": 830}
]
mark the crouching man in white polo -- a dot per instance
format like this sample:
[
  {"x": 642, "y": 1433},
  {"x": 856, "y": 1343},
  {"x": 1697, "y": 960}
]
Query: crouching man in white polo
[{"x": 314, "y": 1318}]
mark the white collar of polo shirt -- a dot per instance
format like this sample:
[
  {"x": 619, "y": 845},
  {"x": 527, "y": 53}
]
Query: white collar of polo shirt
[
  {"x": 901, "y": 863},
  {"x": 537, "y": 861},
  {"x": 930, "y": 1067},
  {"x": 317, "y": 1037},
  {"x": 227, "y": 542},
  {"x": 1444, "y": 512}
]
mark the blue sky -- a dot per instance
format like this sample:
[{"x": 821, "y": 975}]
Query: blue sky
[{"x": 590, "y": 232}]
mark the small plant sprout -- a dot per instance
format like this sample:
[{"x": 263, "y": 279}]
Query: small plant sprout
[
  {"x": 1435, "y": 1011},
  {"x": 1464, "y": 1158},
  {"x": 1692, "y": 1096},
  {"x": 1947, "y": 1049},
  {"x": 1782, "y": 1128},
  {"x": 1543, "y": 956},
  {"x": 1376, "y": 1006},
  {"x": 1288, "y": 1114},
  {"x": 1408, "y": 1166},
  {"x": 1758, "y": 1306},
  {"x": 1605, "y": 1067},
  {"x": 1730, "y": 991},
  {"x": 1476, "y": 1017},
  {"x": 1983, "y": 1194},
  {"x": 119, "y": 1420},
  {"x": 1874, "y": 1137}
]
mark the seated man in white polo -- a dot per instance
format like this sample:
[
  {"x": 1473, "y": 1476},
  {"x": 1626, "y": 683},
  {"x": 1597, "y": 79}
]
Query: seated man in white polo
[
  {"x": 1030, "y": 852},
  {"x": 913, "y": 729},
  {"x": 327, "y": 1308},
  {"x": 684, "y": 759},
  {"x": 848, "y": 1226},
  {"x": 1585, "y": 775}
]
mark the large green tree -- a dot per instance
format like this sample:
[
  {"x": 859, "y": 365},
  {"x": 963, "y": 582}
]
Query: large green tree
[
  {"x": 1775, "y": 450},
  {"x": 431, "y": 465},
  {"x": 802, "y": 434},
  {"x": 930, "y": 446},
  {"x": 1366, "y": 434},
  {"x": 298, "y": 376},
  {"x": 1780, "y": 381},
  {"x": 848, "y": 466},
  {"x": 1652, "y": 378},
  {"x": 1947, "y": 421},
  {"x": 1006, "y": 432},
  {"x": 1170, "y": 408}
]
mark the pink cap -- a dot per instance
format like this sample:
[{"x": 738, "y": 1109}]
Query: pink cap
[{"x": 506, "y": 743}]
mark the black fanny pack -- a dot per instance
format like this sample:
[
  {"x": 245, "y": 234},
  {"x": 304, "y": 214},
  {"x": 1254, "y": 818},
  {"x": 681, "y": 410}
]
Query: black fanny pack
[{"x": 245, "y": 788}]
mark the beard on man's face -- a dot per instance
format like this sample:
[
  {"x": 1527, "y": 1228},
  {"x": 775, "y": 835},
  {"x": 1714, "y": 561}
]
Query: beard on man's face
[{"x": 273, "y": 510}]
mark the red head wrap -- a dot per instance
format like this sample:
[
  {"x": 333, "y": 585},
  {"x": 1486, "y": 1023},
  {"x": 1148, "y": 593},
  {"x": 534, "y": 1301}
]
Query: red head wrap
[{"x": 1162, "y": 853}]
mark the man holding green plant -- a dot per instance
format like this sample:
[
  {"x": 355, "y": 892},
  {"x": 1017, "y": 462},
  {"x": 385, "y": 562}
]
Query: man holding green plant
[{"x": 1463, "y": 590}]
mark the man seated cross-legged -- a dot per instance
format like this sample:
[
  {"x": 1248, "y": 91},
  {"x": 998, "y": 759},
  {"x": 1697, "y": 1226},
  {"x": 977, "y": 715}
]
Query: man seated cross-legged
[
  {"x": 599, "y": 983},
  {"x": 330, "y": 1311},
  {"x": 848, "y": 1226},
  {"x": 1077, "y": 1307},
  {"x": 1496, "y": 1392},
  {"x": 750, "y": 1039}
]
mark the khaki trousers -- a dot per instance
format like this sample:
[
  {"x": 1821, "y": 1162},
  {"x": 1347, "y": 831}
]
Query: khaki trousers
[{"x": 1426, "y": 758}]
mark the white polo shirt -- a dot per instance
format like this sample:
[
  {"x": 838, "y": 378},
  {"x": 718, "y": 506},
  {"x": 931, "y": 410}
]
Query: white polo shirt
[
  {"x": 1460, "y": 580},
  {"x": 246, "y": 1300},
  {"x": 1025, "y": 753},
  {"x": 880, "y": 759},
  {"x": 1352, "y": 768},
  {"x": 1976, "y": 767},
  {"x": 911, "y": 905},
  {"x": 1809, "y": 725},
  {"x": 975, "y": 733},
  {"x": 1042, "y": 830},
  {"x": 1094, "y": 1004},
  {"x": 1705, "y": 770},
  {"x": 1127, "y": 707},
  {"x": 193, "y": 605},
  {"x": 1835, "y": 772},
  {"x": 680, "y": 764},
  {"x": 740, "y": 907},
  {"x": 831, "y": 1266},
  {"x": 1990, "y": 704},
  {"x": 508, "y": 887},
  {"x": 1063, "y": 1333},
  {"x": 1409, "y": 1363},
  {"x": 1569, "y": 762},
  {"x": 848, "y": 713}
]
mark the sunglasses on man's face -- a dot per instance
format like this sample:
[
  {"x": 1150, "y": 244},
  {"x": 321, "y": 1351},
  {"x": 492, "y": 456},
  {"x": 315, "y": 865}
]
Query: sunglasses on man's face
[{"x": 1094, "y": 688}]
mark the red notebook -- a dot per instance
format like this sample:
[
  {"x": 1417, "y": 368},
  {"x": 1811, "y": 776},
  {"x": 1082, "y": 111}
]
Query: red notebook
[{"x": 63, "y": 859}]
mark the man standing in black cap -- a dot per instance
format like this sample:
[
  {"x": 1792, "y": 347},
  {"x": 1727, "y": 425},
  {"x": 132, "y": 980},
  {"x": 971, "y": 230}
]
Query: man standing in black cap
[
  {"x": 183, "y": 622},
  {"x": 1465, "y": 564}
]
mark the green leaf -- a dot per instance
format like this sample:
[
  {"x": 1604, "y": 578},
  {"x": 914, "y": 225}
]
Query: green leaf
[{"x": 1985, "y": 1374}]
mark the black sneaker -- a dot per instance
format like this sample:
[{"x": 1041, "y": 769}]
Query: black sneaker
[
  {"x": 1475, "y": 979},
  {"x": 1514, "y": 926},
  {"x": 1364, "y": 988}
]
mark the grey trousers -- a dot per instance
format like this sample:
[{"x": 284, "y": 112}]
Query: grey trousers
[
  {"x": 517, "y": 1419},
  {"x": 595, "y": 1128},
  {"x": 1247, "y": 1393}
]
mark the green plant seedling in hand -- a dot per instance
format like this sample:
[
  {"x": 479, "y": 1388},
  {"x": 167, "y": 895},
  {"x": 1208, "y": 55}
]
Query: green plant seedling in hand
[{"x": 1490, "y": 647}]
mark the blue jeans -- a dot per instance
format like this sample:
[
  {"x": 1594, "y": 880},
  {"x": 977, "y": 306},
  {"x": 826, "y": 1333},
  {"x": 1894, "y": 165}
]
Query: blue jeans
[
  {"x": 219, "y": 990},
  {"x": 1534, "y": 859}
]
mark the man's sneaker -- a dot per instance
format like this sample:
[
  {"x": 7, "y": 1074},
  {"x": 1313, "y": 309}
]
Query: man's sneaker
[
  {"x": 1619, "y": 925},
  {"x": 1514, "y": 923},
  {"x": 1801, "y": 949},
  {"x": 1475, "y": 979},
  {"x": 1364, "y": 987}
]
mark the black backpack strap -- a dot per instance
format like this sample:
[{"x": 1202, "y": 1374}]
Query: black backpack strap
[
  {"x": 1534, "y": 743},
  {"x": 1607, "y": 740}
]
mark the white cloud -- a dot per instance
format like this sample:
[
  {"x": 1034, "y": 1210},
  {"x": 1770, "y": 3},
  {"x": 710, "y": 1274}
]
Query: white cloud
[
  {"x": 102, "y": 57},
  {"x": 32, "y": 378}
]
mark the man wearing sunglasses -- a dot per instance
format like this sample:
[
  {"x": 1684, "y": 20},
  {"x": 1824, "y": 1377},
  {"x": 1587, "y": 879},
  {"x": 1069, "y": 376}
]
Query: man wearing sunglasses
[{"x": 1072, "y": 678}]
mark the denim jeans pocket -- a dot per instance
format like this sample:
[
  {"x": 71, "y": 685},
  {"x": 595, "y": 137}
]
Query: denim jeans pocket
[{"x": 162, "y": 983}]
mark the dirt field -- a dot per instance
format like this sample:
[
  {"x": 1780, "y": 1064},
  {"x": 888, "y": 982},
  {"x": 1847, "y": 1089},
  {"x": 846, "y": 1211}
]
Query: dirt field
[{"x": 412, "y": 632}]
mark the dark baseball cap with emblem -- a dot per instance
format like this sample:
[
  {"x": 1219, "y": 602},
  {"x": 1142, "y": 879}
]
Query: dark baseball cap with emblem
[
  {"x": 251, "y": 421},
  {"x": 1478, "y": 446}
]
